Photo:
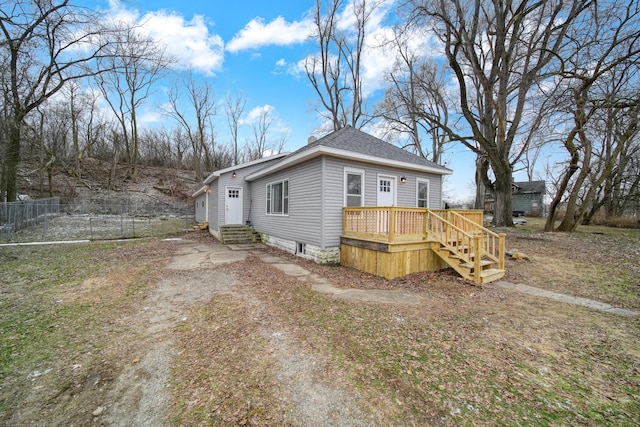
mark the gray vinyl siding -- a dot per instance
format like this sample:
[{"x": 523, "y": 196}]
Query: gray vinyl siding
[
  {"x": 316, "y": 198},
  {"x": 227, "y": 180},
  {"x": 213, "y": 205},
  {"x": 200, "y": 208},
  {"x": 223, "y": 182},
  {"x": 334, "y": 191},
  {"x": 304, "y": 222},
  {"x": 406, "y": 192}
]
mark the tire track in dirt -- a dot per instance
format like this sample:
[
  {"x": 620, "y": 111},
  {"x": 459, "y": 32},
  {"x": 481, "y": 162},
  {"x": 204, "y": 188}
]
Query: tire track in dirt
[{"x": 142, "y": 392}]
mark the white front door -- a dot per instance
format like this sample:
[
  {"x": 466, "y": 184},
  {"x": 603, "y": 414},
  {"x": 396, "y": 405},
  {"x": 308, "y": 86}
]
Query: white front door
[
  {"x": 233, "y": 205},
  {"x": 386, "y": 190},
  {"x": 386, "y": 197}
]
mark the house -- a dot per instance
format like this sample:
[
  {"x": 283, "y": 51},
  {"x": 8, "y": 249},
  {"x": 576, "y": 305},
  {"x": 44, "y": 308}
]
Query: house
[
  {"x": 527, "y": 198},
  {"x": 309, "y": 201},
  {"x": 295, "y": 201}
]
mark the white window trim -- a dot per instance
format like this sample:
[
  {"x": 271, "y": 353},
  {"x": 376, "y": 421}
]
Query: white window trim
[
  {"x": 354, "y": 171},
  {"x": 266, "y": 191},
  {"x": 394, "y": 186},
  {"x": 428, "y": 182}
]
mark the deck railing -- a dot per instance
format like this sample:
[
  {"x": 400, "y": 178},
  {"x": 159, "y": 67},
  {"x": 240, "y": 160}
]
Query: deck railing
[{"x": 392, "y": 224}]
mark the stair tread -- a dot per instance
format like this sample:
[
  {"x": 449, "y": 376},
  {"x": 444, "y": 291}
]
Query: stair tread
[
  {"x": 483, "y": 263},
  {"x": 490, "y": 272}
]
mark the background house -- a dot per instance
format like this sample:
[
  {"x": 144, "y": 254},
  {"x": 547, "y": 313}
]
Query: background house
[{"x": 527, "y": 197}]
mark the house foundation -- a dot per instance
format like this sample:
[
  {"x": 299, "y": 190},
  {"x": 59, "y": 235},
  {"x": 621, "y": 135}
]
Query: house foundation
[{"x": 315, "y": 253}]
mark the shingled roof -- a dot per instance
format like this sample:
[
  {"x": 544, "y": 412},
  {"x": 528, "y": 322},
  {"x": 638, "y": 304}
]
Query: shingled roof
[
  {"x": 527, "y": 187},
  {"x": 352, "y": 139},
  {"x": 355, "y": 144}
]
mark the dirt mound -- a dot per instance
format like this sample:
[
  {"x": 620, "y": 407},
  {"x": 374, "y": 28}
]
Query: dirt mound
[{"x": 98, "y": 182}]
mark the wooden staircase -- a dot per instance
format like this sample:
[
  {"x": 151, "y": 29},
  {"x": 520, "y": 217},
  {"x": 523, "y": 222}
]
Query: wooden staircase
[
  {"x": 473, "y": 251},
  {"x": 238, "y": 234}
]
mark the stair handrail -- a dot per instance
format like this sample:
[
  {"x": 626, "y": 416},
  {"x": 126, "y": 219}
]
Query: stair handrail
[
  {"x": 446, "y": 235},
  {"x": 494, "y": 243}
]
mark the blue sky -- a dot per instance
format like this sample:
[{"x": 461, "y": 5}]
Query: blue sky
[{"x": 255, "y": 47}]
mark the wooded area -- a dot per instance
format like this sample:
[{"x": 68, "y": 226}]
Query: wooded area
[{"x": 525, "y": 85}]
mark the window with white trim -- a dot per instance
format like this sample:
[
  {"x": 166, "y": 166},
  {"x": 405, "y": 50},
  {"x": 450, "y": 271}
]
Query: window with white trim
[
  {"x": 278, "y": 198},
  {"x": 353, "y": 188},
  {"x": 422, "y": 193}
]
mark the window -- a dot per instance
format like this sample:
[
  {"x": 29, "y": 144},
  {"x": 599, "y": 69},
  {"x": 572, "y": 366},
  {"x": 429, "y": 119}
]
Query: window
[
  {"x": 353, "y": 188},
  {"x": 278, "y": 198},
  {"x": 385, "y": 186},
  {"x": 422, "y": 193}
]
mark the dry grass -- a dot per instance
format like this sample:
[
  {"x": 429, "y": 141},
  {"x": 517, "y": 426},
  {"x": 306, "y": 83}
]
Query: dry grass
[{"x": 469, "y": 355}]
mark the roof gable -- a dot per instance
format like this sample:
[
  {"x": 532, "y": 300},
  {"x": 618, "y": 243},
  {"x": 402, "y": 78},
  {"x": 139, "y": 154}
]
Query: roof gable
[
  {"x": 357, "y": 141},
  {"x": 529, "y": 187},
  {"x": 216, "y": 174}
]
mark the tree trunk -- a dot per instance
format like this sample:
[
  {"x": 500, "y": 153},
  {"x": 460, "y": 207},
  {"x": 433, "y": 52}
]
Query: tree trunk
[
  {"x": 503, "y": 212},
  {"x": 481, "y": 188},
  {"x": 12, "y": 159}
]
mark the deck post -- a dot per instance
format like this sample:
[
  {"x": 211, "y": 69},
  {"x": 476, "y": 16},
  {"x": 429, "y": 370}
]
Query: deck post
[
  {"x": 477, "y": 257},
  {"x": 344, "y": 221},
  {"x": 425, "y": 223},
  {"x": 501, "y": 250}
]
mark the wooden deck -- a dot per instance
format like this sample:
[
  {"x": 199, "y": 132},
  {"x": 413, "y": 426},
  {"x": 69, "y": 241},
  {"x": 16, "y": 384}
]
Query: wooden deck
[{"x": 395, "y": 241}]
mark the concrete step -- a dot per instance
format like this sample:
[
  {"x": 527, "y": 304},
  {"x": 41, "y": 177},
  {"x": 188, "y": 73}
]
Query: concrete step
[{"x": 238, "y": 234}]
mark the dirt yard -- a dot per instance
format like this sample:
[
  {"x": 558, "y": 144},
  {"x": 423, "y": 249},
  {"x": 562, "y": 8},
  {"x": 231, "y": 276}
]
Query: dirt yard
[{"x": 187, "y": 332}]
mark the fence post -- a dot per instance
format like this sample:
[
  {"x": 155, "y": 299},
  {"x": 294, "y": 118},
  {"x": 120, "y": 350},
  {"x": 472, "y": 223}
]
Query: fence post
[{"x": 46, "y": 219}]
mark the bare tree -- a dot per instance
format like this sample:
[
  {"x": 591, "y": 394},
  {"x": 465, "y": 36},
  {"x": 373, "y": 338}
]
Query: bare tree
[
  {"x": 498, "y": 52},
  {"x": 416, "y": 101},
  {"x": 234, "y": 108},
  {"x": 135, "y": 62},
  {"x": 335, "y": 71},
  {"x": 258, "y": 146},
  {"x": 202, "y": 107},
  {"x": 600, "y": 74},
  {"x": 265, "y": 140},
  {"x": 45, "y": 45}
]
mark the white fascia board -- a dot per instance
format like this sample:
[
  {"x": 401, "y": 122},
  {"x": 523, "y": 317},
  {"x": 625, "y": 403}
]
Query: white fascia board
[
  {"x": 200, "y": 191},
  {"x": 217, "y": 173},
  {"x": 347, "y": 155}
]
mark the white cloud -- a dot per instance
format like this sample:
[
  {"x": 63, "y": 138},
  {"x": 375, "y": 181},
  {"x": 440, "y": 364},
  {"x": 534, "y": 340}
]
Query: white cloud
[
  {"x": 279, "y": 32},
  {"x": 277, "y": 125},
  {"x": 189, "y": 42},
  {"x": 256, "y": 113}
]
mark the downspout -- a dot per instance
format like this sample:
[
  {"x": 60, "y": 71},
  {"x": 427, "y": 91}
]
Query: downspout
[
  {"x": 206, "y": 203},
  {"x": 322, "y": 204}
]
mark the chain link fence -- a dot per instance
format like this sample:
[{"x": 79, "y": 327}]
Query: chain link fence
[{"x": 49, "y": 220}]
